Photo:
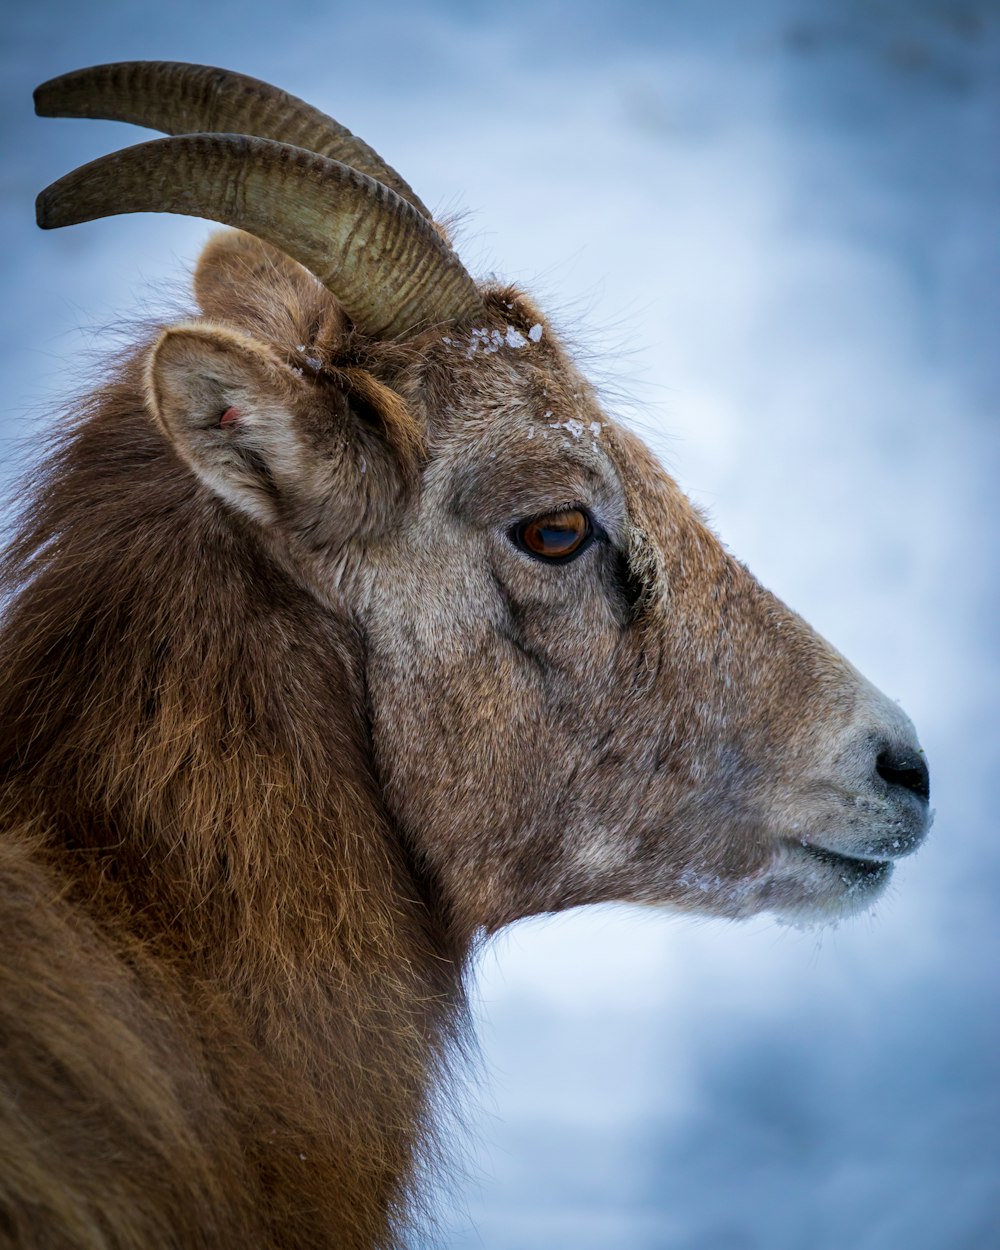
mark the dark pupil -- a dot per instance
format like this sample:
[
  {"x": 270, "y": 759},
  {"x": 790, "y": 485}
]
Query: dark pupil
[{"x": 556, "y": 535}]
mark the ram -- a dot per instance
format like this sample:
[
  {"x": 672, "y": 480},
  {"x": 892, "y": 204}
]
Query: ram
[{"x": 342, "y": 627}]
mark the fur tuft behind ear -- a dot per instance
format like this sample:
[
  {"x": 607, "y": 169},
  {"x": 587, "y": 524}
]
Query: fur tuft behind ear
[{"x": 242, "y": 281}]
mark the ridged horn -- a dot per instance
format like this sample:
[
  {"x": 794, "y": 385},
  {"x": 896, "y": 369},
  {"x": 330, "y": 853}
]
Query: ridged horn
[
  {"x": 182, "y": 99},
  {"x": 385, "y": 263}
]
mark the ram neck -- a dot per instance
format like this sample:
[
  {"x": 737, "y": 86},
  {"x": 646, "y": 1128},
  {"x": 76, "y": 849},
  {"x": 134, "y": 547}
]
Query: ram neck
[{"x": 183, "y": 742}]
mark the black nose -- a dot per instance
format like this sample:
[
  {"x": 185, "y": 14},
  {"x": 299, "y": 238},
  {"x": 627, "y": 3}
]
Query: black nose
[{"x": 904, "y": 768}]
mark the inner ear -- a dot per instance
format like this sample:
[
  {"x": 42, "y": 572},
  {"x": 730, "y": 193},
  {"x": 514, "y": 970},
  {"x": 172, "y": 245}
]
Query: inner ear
[
  {"x": 196, "y": 372},
  {"x": 233, "y": 412}
]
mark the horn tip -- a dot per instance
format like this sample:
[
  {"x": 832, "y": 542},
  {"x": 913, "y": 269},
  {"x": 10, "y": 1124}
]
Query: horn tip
[
  {"x": 57, "y": 98},
  {"x": 67, "y": 94},
  {"x": 44, "y": 97},
  {"x": 47, "y": 213}
]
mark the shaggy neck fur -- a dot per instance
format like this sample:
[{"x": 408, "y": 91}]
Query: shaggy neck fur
[{"x": 281, "y": 985}]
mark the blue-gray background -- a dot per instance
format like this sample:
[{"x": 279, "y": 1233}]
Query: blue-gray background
[{"x": 773, "y": 227}]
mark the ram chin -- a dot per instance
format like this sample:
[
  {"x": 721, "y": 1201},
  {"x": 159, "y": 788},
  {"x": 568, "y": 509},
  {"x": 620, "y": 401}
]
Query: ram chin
[{"x": 812, "y": 885}]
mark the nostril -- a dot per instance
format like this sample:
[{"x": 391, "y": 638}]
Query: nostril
[{"x": 906, "y": 769}]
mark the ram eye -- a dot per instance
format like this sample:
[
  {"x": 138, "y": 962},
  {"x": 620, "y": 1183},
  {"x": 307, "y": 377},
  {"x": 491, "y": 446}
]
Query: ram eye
[{"x": 557, "y": 536}]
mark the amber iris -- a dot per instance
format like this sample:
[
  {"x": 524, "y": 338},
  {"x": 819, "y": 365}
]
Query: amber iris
[{"x": 556, "y": 536}]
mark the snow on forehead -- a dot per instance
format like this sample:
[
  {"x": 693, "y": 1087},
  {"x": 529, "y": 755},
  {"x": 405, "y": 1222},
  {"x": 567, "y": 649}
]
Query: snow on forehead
[{"x": 490, "y": 341}]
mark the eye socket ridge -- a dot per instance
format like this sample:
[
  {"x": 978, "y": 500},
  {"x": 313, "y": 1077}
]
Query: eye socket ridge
[{"x": 556, "y": 537}]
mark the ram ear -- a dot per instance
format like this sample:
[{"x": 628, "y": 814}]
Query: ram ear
[{"x": 288, "y": 449}]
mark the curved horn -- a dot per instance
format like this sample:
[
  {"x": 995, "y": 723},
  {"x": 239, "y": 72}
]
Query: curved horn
[
  {"x": 178, "y": 98},
  {"x": 384, "y": 262}
]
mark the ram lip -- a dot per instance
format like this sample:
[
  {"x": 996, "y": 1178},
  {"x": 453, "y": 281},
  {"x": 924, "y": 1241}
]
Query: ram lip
[{"x": 859, "y": 867}]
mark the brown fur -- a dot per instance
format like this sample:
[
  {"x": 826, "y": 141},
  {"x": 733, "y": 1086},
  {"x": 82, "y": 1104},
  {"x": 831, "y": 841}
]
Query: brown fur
[
  {"x": 285, "y": 721},
  {"x": 225, "y": 984}
]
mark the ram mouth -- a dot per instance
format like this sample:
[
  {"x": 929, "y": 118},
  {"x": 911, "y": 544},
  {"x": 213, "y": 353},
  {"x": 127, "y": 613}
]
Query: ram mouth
[{"x": 853, "y": 871}]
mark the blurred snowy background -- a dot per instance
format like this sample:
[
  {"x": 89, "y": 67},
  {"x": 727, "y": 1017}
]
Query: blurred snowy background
[{"x": 774, "y": 227}]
